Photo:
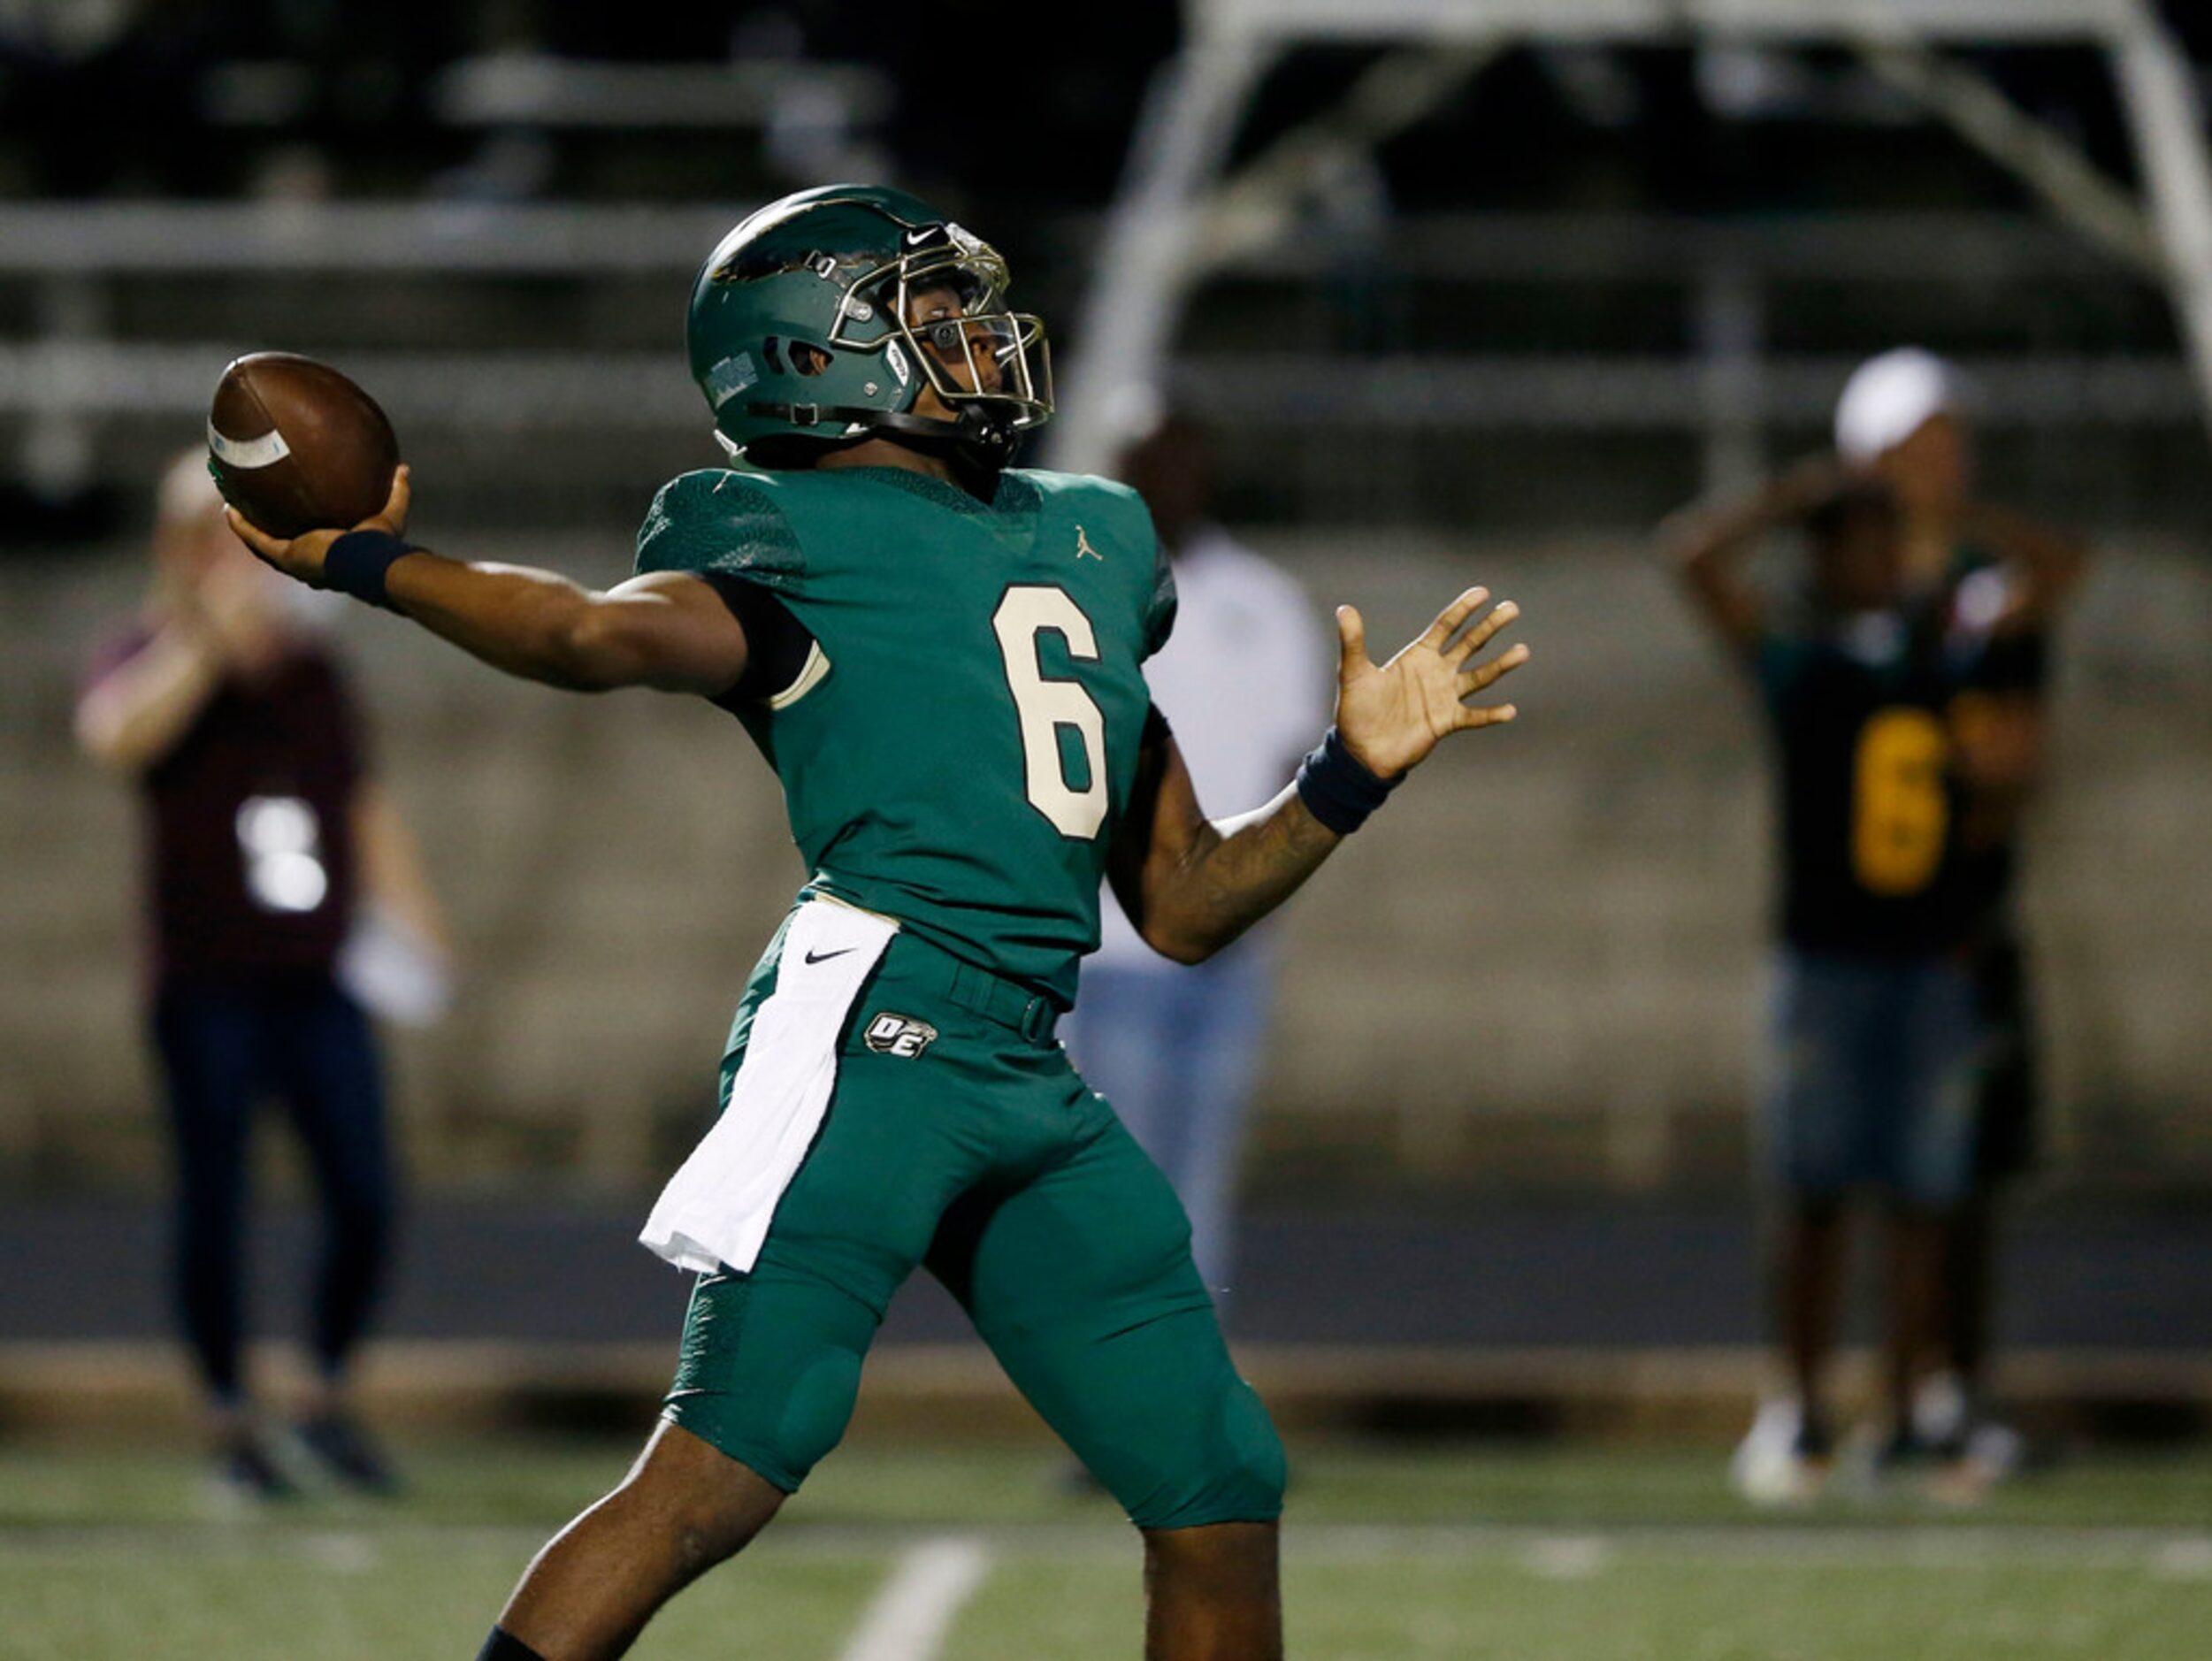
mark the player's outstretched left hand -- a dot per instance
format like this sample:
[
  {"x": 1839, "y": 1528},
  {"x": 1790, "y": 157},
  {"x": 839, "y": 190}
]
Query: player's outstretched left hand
[
  {"x": 1393, "y": 716},
  {"x": 301, "y": 556}
]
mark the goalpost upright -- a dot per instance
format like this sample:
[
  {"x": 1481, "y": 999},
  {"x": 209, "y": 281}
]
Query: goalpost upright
[{"x": 1178, "y": 214}]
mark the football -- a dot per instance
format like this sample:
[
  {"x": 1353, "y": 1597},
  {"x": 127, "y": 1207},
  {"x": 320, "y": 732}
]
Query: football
[{"x": 297, "y": 446}]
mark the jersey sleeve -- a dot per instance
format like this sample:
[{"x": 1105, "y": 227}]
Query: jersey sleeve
[
  {"x": 722, "y": 521},
  {"x": 777, "y": 646},
  {"x": 1160, "y": 608},
  {"x": 109, "y": 655},
  {"x": 1778, "y": 662}
]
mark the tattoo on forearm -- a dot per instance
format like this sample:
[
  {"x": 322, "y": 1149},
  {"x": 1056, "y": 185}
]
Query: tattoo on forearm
[{"x": 1251, "y": 865}]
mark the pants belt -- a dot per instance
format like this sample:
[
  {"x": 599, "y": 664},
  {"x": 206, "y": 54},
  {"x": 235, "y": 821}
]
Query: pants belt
[
  {"x": 996, "y": 999},
  {"x": 1000, "y": 1001}
]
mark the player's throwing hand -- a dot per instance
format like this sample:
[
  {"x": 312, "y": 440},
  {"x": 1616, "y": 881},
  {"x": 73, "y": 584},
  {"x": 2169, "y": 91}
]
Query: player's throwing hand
[
  {"x": 301, "y": 556},
  {"x": 1391, "y": 717}
]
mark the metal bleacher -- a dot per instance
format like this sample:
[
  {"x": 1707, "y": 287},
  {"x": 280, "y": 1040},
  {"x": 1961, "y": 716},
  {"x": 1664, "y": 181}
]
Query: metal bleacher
[{"x": 1376, "y": 362}]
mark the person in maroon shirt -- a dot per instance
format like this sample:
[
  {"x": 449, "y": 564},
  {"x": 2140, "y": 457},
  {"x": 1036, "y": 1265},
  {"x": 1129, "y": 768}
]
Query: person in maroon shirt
[{"x": 265, "y": 837}]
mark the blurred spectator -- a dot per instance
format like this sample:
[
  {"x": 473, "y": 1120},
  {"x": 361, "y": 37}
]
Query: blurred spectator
[
  {"x": 265, "y": 838},
  {"x": 1244, "y": 682},
  {"x": 1901, "y": 416},
  {"x": 1879, "y": 1038}
]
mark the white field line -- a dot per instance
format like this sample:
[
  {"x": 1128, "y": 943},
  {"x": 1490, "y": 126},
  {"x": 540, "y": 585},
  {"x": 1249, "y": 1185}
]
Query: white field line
[{"x": 927, "y": 1589}]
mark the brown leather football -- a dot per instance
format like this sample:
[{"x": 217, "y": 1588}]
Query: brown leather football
[{"x": 297, "y": 446}]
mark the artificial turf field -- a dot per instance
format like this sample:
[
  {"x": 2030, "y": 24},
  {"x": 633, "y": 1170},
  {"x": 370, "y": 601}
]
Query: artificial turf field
[{"x": 1392, "y": 1553}]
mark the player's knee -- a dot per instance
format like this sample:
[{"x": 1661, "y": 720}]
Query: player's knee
[
  {"x": 779, "y": 1435},
  {"x": 705, "y": 1505},
  {"x": 1236, "y": 1474},
  {"x": 714, "y": 1533}
]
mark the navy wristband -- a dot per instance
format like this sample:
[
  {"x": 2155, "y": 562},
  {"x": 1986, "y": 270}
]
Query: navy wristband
[
  {"x": 1337, "y": 788},
  {"x": 358, "y": 562}
]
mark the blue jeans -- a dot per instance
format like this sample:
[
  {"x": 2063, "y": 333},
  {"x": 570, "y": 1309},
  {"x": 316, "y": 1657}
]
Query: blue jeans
[
  {"x": 226, "y": 1045},
  {"x": 1878, "y": 1066},
  {"x": 1176, "y": 1051}
]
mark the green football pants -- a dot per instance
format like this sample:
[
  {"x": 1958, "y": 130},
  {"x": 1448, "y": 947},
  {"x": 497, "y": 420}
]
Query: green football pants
[{"x": 958, "y": 1137}]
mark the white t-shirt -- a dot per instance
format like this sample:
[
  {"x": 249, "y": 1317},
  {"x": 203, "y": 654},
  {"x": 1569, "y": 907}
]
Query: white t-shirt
[{"x": 1246, "y": 680}]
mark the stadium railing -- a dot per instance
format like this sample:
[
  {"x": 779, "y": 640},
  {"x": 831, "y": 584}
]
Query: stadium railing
[{"x": 88, "y": 365}]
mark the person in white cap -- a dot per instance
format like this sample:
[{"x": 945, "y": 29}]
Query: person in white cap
[
  {"x": 1877, "y": 1042},
  {"x": 1903, "y": 417}
]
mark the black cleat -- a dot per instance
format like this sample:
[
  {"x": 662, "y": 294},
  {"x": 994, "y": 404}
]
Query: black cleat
[
  {"x": 1906, "y": 1449},
  {"x": 247, "y": 1475},
  {"x": 343, "y": 1447}
]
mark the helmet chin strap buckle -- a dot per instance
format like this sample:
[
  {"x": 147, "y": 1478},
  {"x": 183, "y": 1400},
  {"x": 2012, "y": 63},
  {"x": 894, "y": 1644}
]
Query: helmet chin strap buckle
[{"x": 976, "y": 427}]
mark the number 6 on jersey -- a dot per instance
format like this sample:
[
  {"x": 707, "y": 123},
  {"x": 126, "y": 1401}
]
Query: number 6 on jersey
[{"x": 1045, "y": 705}]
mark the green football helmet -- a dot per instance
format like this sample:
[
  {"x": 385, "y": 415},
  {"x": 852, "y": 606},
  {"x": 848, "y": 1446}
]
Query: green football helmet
[{"x": 818, "y": 320}]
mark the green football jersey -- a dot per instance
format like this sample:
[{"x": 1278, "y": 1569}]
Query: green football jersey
[{"x": 960, "y": 748}]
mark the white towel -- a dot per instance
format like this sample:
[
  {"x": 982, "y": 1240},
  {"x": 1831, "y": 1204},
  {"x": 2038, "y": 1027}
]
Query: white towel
[{"x": 717, "y": 1209}]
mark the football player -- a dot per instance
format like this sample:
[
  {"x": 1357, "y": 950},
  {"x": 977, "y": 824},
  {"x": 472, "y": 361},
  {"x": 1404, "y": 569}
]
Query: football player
[
  {"x": 1879, "y": 1039},
  {"x": 941, "y": 659},
  {"x": 1902, "y": 418}
]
